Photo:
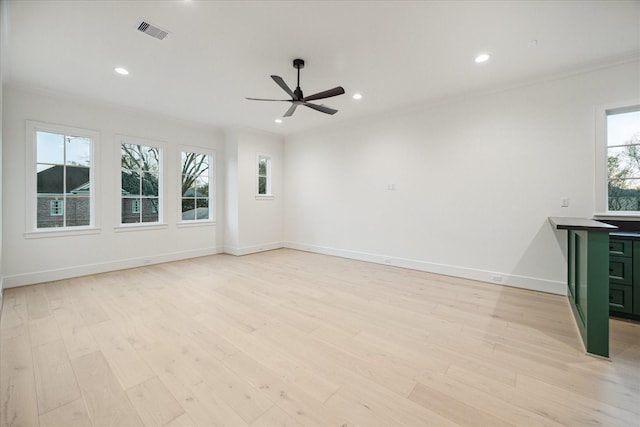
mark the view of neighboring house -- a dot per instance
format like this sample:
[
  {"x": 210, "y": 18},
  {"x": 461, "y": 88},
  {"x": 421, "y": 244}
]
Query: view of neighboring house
[{"x": 53, "y": 201}]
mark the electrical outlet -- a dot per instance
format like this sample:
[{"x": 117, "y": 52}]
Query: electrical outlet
[
  {"x": 564, "y": 202},
  {"x": 496, "y": 278}
]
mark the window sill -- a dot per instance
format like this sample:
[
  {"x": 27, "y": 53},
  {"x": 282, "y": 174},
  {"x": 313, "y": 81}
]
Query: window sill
[
  {"x": 264, "y": 197},
  {"x": 139, "y": 227},
  {"x": 188, "y": 224},
  {"x": 45, "y": 233},
  {"x": 621, "y": 216}
]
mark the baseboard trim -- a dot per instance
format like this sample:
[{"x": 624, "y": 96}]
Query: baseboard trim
[
  {"x": 84, "y": 270},
  {"x": 512, "y": 280},
  {"x": 246, "y": 250}
]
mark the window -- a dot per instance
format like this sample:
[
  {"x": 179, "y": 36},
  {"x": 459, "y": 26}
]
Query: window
[
  {"x": 140, "y": 183},
  {"x": 56, "y": 208},
  {"x": 264, "y": 175},
  {"x": 623, "y": 159},
  {"x": 62, "y": 178},
  {"x": 196, "y": 177}
]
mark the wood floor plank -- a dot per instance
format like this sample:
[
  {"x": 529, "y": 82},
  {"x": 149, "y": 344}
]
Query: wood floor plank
[
  {"x": 73, "y": 414},
  {"x": 43, "y": 330},
  {"x": 17, "y": 384},
  {"x": 55, "y": 381},
  {"x": 183, "y": 420},
  {"x": 14, "y": 308},
  {"x": 193, "y": 389},
  {"x": 79, "y": 341},
  {"x": 126, "y": 363},
  {"x": 296, "y": 402},
  {"x": 275, "y": 417},
  {"x": 37, "y": 302},
  {"x": 453, "y": 409},
  {"x": 530, "y": 410},
  {"x": 107, "y": 403},
  {"x": 154, "y": 403}
]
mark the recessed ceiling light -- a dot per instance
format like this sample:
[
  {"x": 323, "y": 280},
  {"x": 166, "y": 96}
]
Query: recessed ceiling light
[
  {"x": 357, "y": 96},
  {"x": 121, "y": 71},
  {"x": 483, "y": 57},
  {"x": 278, "y": 121}
]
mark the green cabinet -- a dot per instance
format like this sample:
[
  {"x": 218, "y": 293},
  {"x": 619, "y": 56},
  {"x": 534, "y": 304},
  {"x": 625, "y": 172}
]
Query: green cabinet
[{"x": 624, "y": 277}]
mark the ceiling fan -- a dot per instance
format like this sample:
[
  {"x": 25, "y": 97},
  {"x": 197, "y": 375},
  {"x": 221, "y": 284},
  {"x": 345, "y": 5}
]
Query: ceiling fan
[{"x": 297, "y": 98}]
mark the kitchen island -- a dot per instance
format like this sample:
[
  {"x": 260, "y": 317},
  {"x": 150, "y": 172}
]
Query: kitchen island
[{"x": 588, "y": 278}]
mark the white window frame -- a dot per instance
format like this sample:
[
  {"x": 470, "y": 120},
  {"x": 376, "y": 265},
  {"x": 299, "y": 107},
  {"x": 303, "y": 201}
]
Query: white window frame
[
  {"x": 32, "y": 127},
  {"x": 212, "y": 185},
  {"x": 601, "y": 172},
  {"x": 269, "y": 176},
  {"x": 162, "y": 149}
]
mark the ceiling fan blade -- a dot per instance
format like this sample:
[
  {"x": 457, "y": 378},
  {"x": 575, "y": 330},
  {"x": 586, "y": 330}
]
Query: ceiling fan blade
[
  {"x": 290, "y": 111},
  {"x": 262, "y": 99},
  {"x": 284, "y": 86},
  {"x": 321, "y": 108},
  {"x": 325, "y": 94}
]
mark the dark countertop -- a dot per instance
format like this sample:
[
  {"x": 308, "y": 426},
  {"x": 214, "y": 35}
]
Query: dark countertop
[{"x": 568, "y": 223}]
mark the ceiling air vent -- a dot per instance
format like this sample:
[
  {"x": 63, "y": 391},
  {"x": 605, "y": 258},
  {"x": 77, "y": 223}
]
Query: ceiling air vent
[{"x": 152, "y": 30}]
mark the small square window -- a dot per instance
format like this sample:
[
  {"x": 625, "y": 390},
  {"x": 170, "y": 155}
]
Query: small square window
[{"x": 56, "y": 208}]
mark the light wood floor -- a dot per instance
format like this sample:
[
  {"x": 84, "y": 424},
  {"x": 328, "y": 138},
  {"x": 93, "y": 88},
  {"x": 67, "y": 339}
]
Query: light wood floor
[{"x": 288, "y": 338}]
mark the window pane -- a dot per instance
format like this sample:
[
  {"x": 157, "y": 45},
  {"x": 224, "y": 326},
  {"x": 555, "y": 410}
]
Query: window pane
[
  {"x": 44, "y": 217},
  {"x": 188, "y": 189},
  {"x": 78, "y": 211},
  {"x": 194, "y": 163},
  {"x": 188, "y": 209},
  {"x": 262, "y": 185},
  {"x": 78, "y": 180},
  {"x": 128, "y": 215},
  {"x": 202, "y": 210},
  {"x": 262, "y": 166},
  {"x": 78, "y": 151},
  {"x": 130, "y": 182},
  {"x": 131, "y": 156},
  {"x": 150, "y": 210},
  {"x": 201, "y": 166},
  {"x": 623, "y": 128},
  {"x": 202, "y": 187},
  {"x": 150, "y": 158},
  {"x": 624, "y": 195},
  {"x": 150, "y": 184},
  {"x": 50, "y": 148},
  {"x": 49, "y": 180},
  {"x": 624, "y": 162}
]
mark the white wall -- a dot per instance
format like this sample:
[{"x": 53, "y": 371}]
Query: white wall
[
  {"x": 30, "y": 260},
  {"x": 253, "y": 224},
  {"x": 475, "y": 181}
]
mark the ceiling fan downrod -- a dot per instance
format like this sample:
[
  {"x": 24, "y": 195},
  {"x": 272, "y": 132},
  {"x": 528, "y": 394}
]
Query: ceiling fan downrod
[{"x": 298, "y": 64}]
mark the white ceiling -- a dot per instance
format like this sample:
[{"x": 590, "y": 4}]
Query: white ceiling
[{"x": 397, "y": 54}]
